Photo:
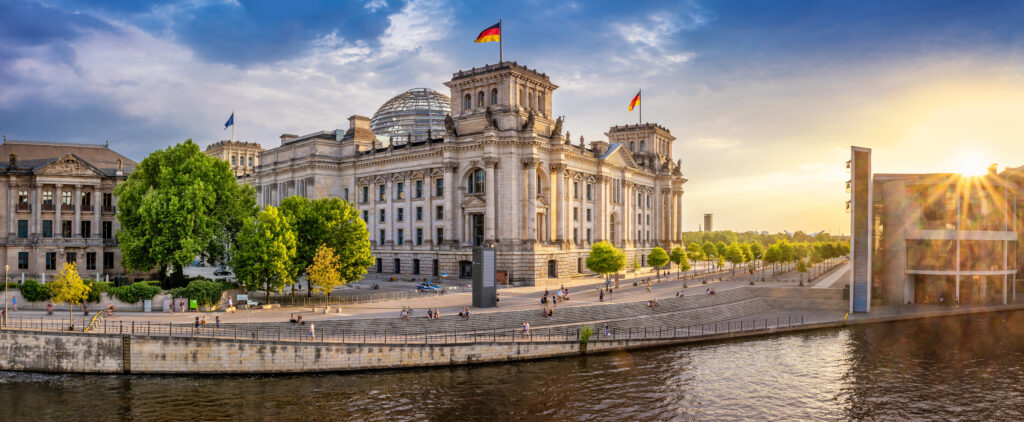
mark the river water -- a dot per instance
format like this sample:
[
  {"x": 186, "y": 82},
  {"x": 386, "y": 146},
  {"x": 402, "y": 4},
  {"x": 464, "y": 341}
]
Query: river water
[{"x": 967, "y": 368}]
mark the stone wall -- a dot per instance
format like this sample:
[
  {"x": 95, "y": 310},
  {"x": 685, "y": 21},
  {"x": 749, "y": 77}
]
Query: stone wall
[
  {"x": 802, "y": 298},
  {"x": 60, "y": 352},
  {"x": 105, "y": 300}
]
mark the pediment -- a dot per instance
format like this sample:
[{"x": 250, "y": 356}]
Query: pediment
[
  {"x": 542, "y": 202},
  {"x": 416, "y": 174},
  {"x": 436, "y": 172},
  {"x": 68, "y": 165},
  {"x": 379, "y": 179},
  {"x": 363, "y": 181},
  {"x": 473, "y": 202},
  {"x": 620, "y": 156}
]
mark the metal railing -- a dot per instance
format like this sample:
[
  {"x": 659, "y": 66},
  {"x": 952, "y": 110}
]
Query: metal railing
[
  {"x": 334, "y": 334},
  {"x": 354, "y": 299}
]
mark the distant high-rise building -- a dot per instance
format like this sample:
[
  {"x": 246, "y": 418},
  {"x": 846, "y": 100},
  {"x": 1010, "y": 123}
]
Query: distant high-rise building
[{"x": 708, "y": 220}]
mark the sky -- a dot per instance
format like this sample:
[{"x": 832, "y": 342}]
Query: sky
[{"x": 765, "y": 98}]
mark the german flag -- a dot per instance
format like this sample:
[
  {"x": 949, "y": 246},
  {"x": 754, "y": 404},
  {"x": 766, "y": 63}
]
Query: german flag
[
  {"x": 635, "y": 102},
  {"x": 490, "y": 34}
]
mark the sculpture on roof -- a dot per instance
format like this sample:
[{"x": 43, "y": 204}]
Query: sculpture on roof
[
  {"x": 449, "y": 125},
  {"x": 557, "y": 131},
  {"x": 120, "y": 165},
  {"x": 529, "y": 123},
  {"x": 581, "y": 142},
  {"x": 489, "y": 116},
  {"x": 14, "y": 161},
  {"x": 568, "y": 138}
]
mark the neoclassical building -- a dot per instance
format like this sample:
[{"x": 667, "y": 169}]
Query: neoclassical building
[
  {"x": 243, "y": 156},
  {"x": 499, "y": 170},
  {"x": 60, "y": 207}
]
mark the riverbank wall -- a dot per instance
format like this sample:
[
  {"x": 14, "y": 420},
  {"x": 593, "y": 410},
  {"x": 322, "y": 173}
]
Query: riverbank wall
[{"x": 46, "y": 351}]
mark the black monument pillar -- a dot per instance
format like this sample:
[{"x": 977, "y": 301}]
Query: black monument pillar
[{"x": 484, "y": 272}]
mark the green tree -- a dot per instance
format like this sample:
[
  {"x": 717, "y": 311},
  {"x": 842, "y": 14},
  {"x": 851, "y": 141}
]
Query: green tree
[
  {"x": 680, "y": 258},
  {"x": 263, "y": 253},
  {"x": 802, "y": 267},
  {"x": 720, "y": 263},
  {"x": 757, "y": 249},
  {"x": 323, "y": 272},
  {"x": 748, "y": 255},
  {"x": 330, "y": 222},
  {"x": 605, "y": 259},
  {"x": 176, "y": 205},
  {"x": 734, "y": 254},
  {"x": 657, "y": 259},
  {"x": 69, "y": 288},
  {"x": 695, "y": 252},
  {"x": 772, "y": 255},
  {"x": 710, "y": 250}
]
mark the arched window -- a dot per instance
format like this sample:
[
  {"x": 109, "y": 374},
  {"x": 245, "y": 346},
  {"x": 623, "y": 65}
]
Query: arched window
[
  {"x": 642, "y": 146},
  {"x": 234, "y": 160},
  {"x": 475, "y": 182},
  {"x": 480, "y": 99},
  {"x": 468, "y": 103},
  {"x": 632, "y": 146},
  {"x": 494, "y": 96}
]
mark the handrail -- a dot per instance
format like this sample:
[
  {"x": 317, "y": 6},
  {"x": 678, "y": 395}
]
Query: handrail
[{"x": 94, "y": 318}]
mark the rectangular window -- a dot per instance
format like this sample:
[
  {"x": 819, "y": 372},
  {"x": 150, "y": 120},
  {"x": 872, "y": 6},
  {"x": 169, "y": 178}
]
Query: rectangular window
[
  {"x": 648, "y": 201},
  {"x": 47, "y": 228},
  {"x": 589, "y": 214},
  {"x": 575, "y": 190},
  {"x": 400, "y": 191},
  {"x": 65, "y": 198},
  {"x": 22, "y": 260},
  {"x": 576, "y": 234},
  {"x": 108, "y": 201},
  {"x": 380, "y": 240},
  {"x": 345, "y": 196},
  {"x": 86, "y": 229},
  {"x": 439, "y": 215},
  {"x": 381, "y": 216},
  {"x": 23, "y": 229},
  {"x": 366, "y": 216},
  {"x": 398, "y": 266},
  {"x": 648, "y": 220},
  {"x": 575, "y": 214},
  {"x": 440, "y": 235},
  {"x": 401, "y": 214},
  {"x": 108, "y": 230},
  {"x": 589, "y": 239},
  {"x": 590, "y": 192},
  {"x": 86, "y": 200},
  {"x": 419, "y": 236},
  {"x": 90, "y": 260},
  {"x": 380, "y": 265},
  {"x": 419, "y": 213},
  {"x": 439, "y": 187},
  {"x": 366, "y": 194},
  {"x": 51, "y": 260},
  {"x": 416, "y": 266},
  {"x": 65, "y": 228},
  {"x": 108, "y": 260},
  {"x": 71, "y": 257},
  {"x": 380, "y": 194},
  {"x": 47, "y": 197},
  {"x": 401, "y": 237},
  {"x": 435, "y": 270},
  {"x": 419, "y": 188}
]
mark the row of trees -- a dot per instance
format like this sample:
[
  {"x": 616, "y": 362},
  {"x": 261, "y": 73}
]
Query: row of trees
[{"x": 179, "y": 204}]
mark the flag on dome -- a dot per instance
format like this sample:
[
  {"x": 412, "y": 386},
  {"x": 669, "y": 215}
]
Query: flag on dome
[
  {"x": 490, "y": 34},
  {"x": 635, "y": 102}
]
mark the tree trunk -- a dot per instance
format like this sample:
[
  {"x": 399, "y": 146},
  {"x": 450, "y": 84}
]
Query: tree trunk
[{"x": 178, "y": 276}]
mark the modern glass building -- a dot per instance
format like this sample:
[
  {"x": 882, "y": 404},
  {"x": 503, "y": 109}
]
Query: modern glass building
[{"x": 412, "y": 112}]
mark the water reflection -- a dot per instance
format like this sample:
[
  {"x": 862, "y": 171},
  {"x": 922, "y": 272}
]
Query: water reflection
[{"x": 968, "y": 368}]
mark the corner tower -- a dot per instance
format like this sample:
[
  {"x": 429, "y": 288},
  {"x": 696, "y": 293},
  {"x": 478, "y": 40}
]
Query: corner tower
[{"x": 511, "y": 91}]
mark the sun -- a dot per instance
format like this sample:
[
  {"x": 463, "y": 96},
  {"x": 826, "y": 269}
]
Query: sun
[{"x": 971, "y": 163}]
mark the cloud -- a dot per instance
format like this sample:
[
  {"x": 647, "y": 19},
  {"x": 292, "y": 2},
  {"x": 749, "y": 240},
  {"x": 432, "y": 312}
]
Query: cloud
[{"x": 375, "y": 5}]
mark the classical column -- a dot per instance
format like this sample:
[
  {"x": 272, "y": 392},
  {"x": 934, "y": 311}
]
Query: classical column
[
  {"x": 428, "y": 237},
  {"x": 559, "y": 201},
  {"x": 97, "y": 226},
  {"x": 531, "y": 200},
  {"x": 410, "y": 213},
  {"x": 117, "y": 223},
  {"x": 12, "y": 213},
  {"x": 490, "y": 163},
  {"x": 58, "y": 203},
  {"x": 679, "y": 218},
  {"x": 76, "y": 201},
  {"x": 371, "y": 200},
  {"x": 598, "y": 206},
  {"x": 389, "y": 229},
  {"x": 451, "y": 233},
  {"x": 37, "y": 200}
]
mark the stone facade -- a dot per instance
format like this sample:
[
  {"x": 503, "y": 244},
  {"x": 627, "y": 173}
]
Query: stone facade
[
  {"x": 60, "y": 207},
  {"x": 243, "y": 156},
  {"x": 504, "y": 173}
]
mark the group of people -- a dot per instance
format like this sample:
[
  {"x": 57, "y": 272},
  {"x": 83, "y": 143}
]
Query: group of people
[
  {"x": 653, "y": 303},
  {"x": 294, "y": 320},
  {"x": 464, "y": 313},
  {"x": 216, "y": 321},
  {"x": 710, "y": 291},
  {"x": 406, "y": 312},
  {"x": 433, "y": 313},
  {"x": 526, "y": 328}
]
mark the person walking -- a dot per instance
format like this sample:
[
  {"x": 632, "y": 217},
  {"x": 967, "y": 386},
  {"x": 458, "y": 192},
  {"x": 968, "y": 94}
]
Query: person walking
[
  {"x": 312, "y": 331},
  {"x": 600, "y": 296},
  {"x": 217, "y": 321},
  {"x": 607, "y": 329}
]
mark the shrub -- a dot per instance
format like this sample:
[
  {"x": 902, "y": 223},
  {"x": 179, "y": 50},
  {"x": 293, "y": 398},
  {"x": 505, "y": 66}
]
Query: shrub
[
  {"x": 585, "y": 334},
  {"x": 204, "y": 291},
  {"x": 133, "y": 293},
  {"x": 35, "y": 292},
  {"x": 96, "y": 289}
]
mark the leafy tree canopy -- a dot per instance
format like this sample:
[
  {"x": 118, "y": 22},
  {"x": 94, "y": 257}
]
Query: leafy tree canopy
[
  {"x": 264, "y": 252},
  {"x": 657, "y": 257},
  {"x": 605, "y": 259}
]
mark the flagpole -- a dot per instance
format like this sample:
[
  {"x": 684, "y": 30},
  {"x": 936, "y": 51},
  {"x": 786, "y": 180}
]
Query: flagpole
[
  {"x": 501, "y": 41},
  {"x": 641, "y": 95},
  {"x": 234, "y": 122}
]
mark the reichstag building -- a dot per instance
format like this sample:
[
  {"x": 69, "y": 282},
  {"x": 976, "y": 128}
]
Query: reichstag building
[{"x": 434, "y": 175}]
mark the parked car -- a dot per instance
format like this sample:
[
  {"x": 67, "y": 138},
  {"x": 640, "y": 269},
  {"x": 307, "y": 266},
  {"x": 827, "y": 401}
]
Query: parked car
[
  {"x": 222, "y": 272},
  {"x": 428, "y": 287}
]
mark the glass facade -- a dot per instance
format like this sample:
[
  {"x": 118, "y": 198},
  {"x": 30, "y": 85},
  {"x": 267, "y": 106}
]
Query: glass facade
[{"x": 412, "y": 113}]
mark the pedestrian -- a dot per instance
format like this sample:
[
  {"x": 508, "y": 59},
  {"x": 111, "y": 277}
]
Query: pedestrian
[
  {"x": 85, "y": 309},
  {"x": 3, "y": 317},
  {"x": 49, "y": 309},
  {"x": 607, "y": 329},
  {"x": 217, "y": 321},
  {"x": 601, "y": 296},
  {"x": 182, "y": 305},
  {"x": 14, "y": 303},
  {"x": 197, "y": 322},
  {"x": 312, "y": 331}
]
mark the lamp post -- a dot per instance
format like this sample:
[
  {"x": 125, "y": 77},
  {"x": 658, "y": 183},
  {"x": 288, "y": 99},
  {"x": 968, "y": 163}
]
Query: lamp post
[{"x": 6, "y": 268}]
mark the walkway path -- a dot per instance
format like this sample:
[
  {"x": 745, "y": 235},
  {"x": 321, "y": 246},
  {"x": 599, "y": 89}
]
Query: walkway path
[{"x": 836, "y": 275}]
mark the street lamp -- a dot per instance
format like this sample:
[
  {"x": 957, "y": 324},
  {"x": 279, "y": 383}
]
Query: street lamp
[{"x": 6, "y": 268}]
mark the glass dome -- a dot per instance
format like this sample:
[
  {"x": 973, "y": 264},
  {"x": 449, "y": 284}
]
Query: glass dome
[{"x": 411, "y": 112}]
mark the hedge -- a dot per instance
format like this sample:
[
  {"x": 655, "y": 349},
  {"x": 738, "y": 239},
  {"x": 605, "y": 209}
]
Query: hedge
[
  {"x": 32, "y": 291},
  {"x": 206, "y": 292},
  {"x": 133, "y": 293}
]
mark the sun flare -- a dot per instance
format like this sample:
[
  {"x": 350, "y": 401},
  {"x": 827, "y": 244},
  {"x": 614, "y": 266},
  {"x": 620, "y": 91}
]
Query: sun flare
[{"x": 970, "y": 163}]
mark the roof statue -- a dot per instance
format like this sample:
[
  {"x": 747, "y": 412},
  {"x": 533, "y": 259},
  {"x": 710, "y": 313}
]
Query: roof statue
[
  {"x": 14, "y": 161},
  {"x": 449, "y": 126},
  {"x": 529, "y": 123},
  {"x": 557, "y": 131},
  {"x": 489, "y": 116}
]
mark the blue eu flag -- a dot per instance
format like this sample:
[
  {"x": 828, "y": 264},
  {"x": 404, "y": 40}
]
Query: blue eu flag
[{"x": 230, "y": 122}]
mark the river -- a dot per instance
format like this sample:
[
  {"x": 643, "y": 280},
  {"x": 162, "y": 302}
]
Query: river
[{"x": 966, "y": 368}]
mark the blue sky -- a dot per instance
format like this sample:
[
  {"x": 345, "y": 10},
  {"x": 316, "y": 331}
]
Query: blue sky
[{"x": 765, "y": 97}]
